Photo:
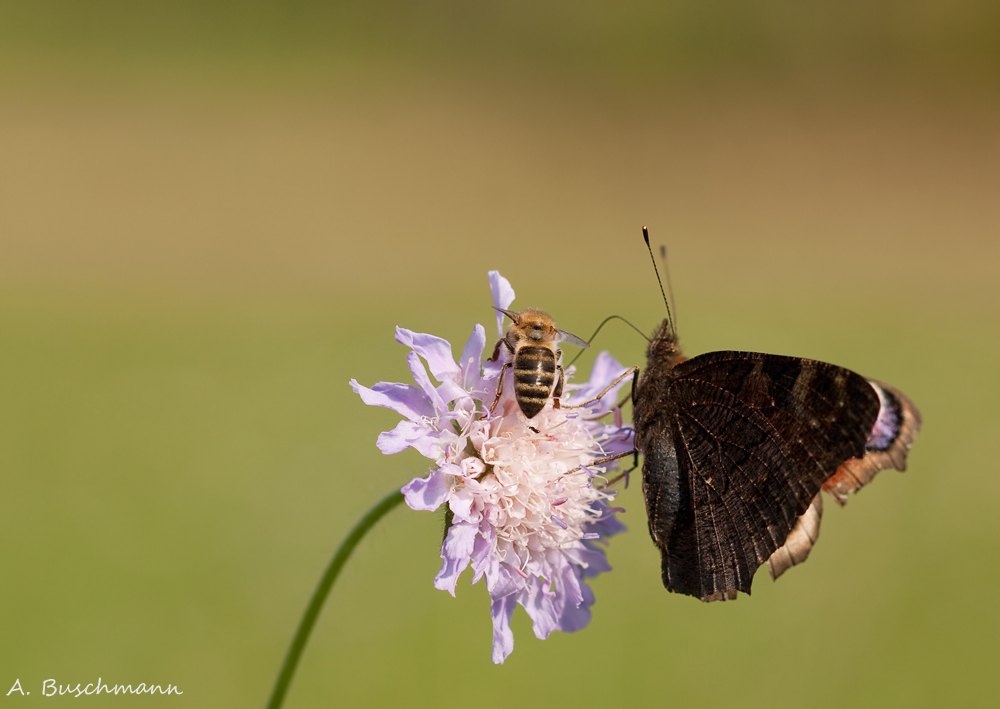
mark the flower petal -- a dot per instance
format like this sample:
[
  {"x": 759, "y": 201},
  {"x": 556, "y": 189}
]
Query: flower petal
[
  {"x": 576, "y": 616},
  {"x": 450, "y": 391},
  {"x": 472, "y": 355},
  {"x": 424, "y": 382},
  {"x": 456, "y": 551},
  {"x": 591, "y": 560},
  {"x": 502, "y": 610},
  {"x": 411, "y": 435},
  {"x": 616, "y": 440},
  {"x": 502, "y": 580},
  {"x": 606, "y": 369},
  {"x": 482, "y": 552},
  {"x": 436, "y": 350},
  {"x": 540, "y": 603},
  {"x": 405, "y": 399},
  {"x": 503, "y": 296},
  {"x": 428, "y": 493},
  {"x": 491, "y": 370},
  {"x": 461, "y": 503}
]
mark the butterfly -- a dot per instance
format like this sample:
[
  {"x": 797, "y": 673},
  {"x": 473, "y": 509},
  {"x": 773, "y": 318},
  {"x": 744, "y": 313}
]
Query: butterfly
[{"x": 737, "y": 447}]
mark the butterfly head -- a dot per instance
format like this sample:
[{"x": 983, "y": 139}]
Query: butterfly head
[{"x": 664, "y": 348}]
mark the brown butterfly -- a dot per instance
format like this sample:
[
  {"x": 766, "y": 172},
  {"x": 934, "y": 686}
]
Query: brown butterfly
[{"x": 738, "y": 445}]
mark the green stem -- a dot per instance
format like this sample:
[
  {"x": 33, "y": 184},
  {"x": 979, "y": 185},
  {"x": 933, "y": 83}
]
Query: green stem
[{"x": 322, "y": 591}]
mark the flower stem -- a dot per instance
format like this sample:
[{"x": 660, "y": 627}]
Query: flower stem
[{"x": 322, "y": 591}]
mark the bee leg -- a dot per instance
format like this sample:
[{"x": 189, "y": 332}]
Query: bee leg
[
  {"x": 503, "y": 371},
  {"x": 496, "y": 350},
  {"x": 557, "y": 392},
  {"x": 633, "y": 372}
]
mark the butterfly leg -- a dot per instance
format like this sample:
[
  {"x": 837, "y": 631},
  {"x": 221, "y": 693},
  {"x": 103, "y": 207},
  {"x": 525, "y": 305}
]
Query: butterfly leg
[
  {"x": 627, "y": 397},
  {"x": 618, "y": 406},
  {"x": 608, "y": 459},
  {"x": 625, "y": 474},
  {"x": 633, "y": 372},
  {"x": 503, "y": 371}
]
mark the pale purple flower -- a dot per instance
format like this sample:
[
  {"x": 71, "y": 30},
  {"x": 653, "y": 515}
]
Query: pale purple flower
[{"x": 525, "y": 514}]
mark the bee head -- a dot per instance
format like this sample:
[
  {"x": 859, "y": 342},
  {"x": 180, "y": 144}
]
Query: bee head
[{"x": 532, "y": 324}]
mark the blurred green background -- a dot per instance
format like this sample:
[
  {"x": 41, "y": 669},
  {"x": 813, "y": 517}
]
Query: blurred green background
[{"x": 213, "y": 215}]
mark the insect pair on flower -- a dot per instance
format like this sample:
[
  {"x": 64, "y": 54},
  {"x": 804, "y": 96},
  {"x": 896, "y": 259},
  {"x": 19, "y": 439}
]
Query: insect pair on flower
[{"x": 737, "y": 447}]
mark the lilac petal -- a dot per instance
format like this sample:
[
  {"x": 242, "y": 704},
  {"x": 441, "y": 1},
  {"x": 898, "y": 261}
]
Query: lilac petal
[
  {"x": 501, "y": 579},
  {"x": 576, "y": 616},
  {"x": 424, "y": 382},
  {"x": 449, "y": 391},
  {"x": 410, "y": 435},
  {"x": 542, "y": 608},
  {"x": 472, "y": 353},
  {"x": 502, "y": 610},
  {"x": 436, "y": 350},
  {"x": 482, "y": 555},
  {"x": 404, "y": 399},
  {"x": 616, "y": 440},
  {"x": 606, "y": 369},
  {"x": 608, "y": 524},
  {"x": 401, "y": 437},
  {"x": 456, "y": 552},
  {"x": 428, "y": 493},
  {"x": 590, "y": 560},
  {"x": 491, "y": 370},
  {"x": 503, "y": 296},
  {"x": 461, "y": 506},
  {"x": 569, "y": 583}
]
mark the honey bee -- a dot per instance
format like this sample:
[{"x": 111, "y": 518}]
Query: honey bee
[{"x": 532, "y": 339}]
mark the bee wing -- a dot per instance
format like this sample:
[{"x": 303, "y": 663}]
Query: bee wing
[{"x": 572, "y": 339}]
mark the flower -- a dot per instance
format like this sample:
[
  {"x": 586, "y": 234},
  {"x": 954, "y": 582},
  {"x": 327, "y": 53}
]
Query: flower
[{"x": 523, "y": 508}]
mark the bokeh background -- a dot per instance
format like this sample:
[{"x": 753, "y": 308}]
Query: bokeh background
[{"x": 213, "y": 214}]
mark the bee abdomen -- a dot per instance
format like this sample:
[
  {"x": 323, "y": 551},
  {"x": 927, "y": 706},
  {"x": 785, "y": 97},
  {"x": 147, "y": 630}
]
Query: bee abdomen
[{"x": 534, "y": 375}]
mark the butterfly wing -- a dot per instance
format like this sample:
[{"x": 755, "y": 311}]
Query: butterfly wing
[
  {"x": 887, "y": 445},
  {"x": 744, "y": 446}
]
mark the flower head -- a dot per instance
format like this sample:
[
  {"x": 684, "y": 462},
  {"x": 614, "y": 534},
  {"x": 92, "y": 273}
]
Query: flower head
[{"x": 523, "y": 507}]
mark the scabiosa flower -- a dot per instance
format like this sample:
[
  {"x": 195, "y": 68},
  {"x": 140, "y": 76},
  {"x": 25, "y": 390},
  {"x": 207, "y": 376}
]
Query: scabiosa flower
[{"x": 523, "y": 507}]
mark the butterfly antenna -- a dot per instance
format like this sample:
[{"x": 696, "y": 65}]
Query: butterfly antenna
[
  {"x": 603, "y": 323},
  {"x": 666, "y": 272},
  {"x": 670, "y": 317}
]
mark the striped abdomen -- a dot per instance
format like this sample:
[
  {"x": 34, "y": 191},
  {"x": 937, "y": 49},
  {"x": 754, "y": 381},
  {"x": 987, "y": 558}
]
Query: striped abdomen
[{"x": 534, "y": 375}]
